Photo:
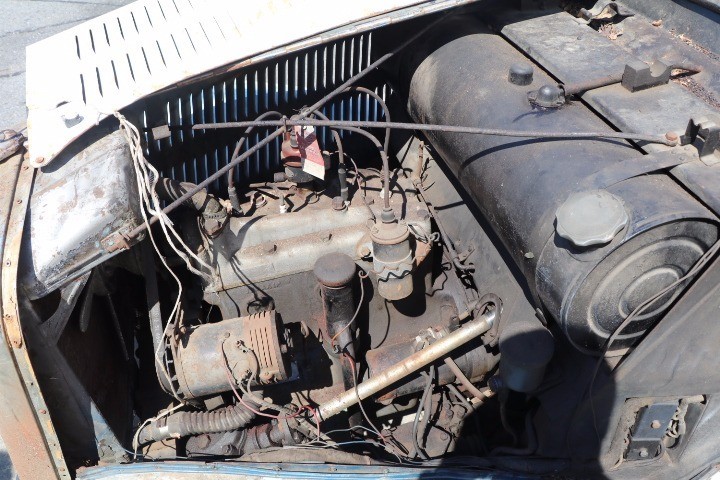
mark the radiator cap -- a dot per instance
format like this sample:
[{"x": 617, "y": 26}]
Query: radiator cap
[{"x": 591, "y": 218}]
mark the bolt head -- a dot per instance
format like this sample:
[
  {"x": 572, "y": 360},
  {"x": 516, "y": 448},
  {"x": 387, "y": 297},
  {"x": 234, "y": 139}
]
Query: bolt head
[{"x": 671, "y": 136}]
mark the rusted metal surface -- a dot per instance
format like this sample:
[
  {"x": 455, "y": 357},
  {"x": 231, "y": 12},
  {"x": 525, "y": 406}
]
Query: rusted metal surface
[
  {"x": 411, "y": 364},
  {"x": 89, "y": 193},
  {"x": 25, "y": 425}
]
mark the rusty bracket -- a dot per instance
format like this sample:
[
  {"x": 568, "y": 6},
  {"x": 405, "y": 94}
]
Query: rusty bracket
[
  {"x": 116, "y": 241},
  {"x": 638, "y": 75},
  {"x": 704, "y": 134},
  {"x": 605, "y": 10}
]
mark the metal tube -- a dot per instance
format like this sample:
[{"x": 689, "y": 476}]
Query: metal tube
[
  {"x": 411, "y": 364},
  {"x": 347, "y": 124},
  {"x": 460, "y": 377}
]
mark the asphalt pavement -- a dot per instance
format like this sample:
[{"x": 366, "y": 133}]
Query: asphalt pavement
[{"x": 23, "y": 22}]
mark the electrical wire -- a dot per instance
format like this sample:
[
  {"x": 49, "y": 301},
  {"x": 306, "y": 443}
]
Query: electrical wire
[
  {"x": 362, "y": 276},
  {"x": 383, "y": 106},
  {"x": 427, "y": 127},
  {"x": 351, "y": 361},
  {"x": 136, "y": 437},
  {"x": 239, "y": 144},
  {"x": 146, "y": 177}
]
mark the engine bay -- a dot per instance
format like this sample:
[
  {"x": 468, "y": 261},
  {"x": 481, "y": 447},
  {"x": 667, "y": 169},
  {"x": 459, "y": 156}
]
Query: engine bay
[{"x": 429, "y": 244}]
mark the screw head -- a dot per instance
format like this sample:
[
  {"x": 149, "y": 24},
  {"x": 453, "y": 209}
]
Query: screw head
[{"x": 40, "y": 160}]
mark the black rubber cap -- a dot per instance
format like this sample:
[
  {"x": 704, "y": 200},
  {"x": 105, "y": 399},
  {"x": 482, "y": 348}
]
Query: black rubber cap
[
  {"x": 520, "y": 74},
  {"x": 335, "y": 270}
]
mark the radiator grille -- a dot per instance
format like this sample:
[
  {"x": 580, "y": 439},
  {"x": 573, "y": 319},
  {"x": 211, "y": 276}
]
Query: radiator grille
[{"x": 284, "y": 84}]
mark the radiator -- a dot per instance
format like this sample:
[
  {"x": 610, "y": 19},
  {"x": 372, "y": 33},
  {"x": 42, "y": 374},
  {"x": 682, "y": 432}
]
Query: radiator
[{"x": 284, "y": 84}]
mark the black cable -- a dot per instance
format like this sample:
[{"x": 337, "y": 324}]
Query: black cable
[
  {"x": 415, "y": 428},
  {"x": 444, "y": 128},
  {"x": 383, "y": 106},
  {"x": 238, "y": 146},
  {"x": 336, "y": 137},
  {"x": 381, "y": 150}
]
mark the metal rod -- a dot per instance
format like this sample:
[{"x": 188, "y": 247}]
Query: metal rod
[
  {"x": 411, "y": 364},
  {"x": 462, "y": 378},
  {"x": 347, "y": 124}
]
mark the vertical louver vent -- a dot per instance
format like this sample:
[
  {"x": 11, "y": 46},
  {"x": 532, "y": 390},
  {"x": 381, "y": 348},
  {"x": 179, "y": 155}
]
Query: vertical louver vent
[{"x": 285, "y": 84}]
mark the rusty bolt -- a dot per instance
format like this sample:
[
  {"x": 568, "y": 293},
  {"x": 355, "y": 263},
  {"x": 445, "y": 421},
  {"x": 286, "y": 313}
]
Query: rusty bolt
[
  {"x": 18, "y": 201},
  {"x": 40, "y": 160},
  {"x": 672, "y": 136},
  {"x": 43, "y": 411},
  {"x": 25, "y": 167}
]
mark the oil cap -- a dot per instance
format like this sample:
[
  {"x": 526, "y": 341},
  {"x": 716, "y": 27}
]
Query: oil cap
[{"x": 591, "y": 218}]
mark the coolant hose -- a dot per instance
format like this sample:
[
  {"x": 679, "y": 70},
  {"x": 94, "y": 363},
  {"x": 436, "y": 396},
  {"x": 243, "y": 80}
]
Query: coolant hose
[{"x": 183, "y": 424}]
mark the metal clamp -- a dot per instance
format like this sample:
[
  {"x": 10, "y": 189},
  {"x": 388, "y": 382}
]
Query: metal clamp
[
  {"x": 638, "y": 75},
  {"x": 116, "y": 241},
  {"x": 704, "y": 134}
]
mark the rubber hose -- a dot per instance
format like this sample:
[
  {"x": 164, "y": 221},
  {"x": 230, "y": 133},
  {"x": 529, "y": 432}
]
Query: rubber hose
[{"x": 183, "y": 424}]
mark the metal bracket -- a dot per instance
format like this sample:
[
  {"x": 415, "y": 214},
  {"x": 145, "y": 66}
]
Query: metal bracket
[
  {"x": 649, "y": 430},
  {"x": 116, "y": 241},
  {"x": 638, "y": 75},
  {"x": 160, "y": 133},
  {"x": 605, "y": 10},
  {"x": 704, "y": 134}
]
